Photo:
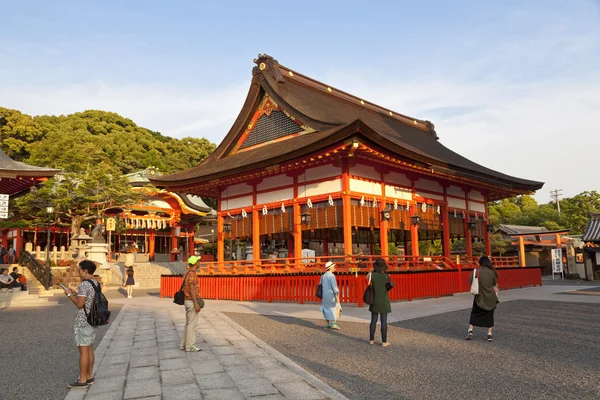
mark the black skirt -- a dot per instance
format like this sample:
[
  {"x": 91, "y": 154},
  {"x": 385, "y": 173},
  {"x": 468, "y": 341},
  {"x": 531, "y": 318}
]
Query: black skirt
[
  {"x": 480, "y": 317},
  {"x": 130, "y": 281}
]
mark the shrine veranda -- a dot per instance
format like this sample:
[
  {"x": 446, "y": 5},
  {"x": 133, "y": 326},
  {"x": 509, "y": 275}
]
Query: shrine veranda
[{"x": 309, "y": 174}]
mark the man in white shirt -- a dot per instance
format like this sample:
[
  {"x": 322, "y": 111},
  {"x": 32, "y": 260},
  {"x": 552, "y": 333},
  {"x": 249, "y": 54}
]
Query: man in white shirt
[
  {"x": 6, "y": 281},
  {"x": 85, "y": 333}
]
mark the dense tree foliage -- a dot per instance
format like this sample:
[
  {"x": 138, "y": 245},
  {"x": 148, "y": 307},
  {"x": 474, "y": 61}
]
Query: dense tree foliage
[
  {"x": 78, "y": 196},
  {"x": 72, "y": 142},
  {"x": 93, "y": 149},
  {"x": 524, "y": 210}
]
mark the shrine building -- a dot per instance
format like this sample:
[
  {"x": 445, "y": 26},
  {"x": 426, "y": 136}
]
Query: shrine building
[{"x": 309, "y": 173}]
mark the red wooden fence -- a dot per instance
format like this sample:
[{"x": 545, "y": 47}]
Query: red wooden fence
[{"x": 301, "y": 287}]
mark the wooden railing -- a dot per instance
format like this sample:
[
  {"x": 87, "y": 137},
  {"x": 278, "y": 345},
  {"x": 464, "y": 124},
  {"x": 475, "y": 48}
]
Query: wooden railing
[
  {"x": 301, "y": 287},
  {"x": 42, "y": 274},
  {"x": 354, "y": 263}
]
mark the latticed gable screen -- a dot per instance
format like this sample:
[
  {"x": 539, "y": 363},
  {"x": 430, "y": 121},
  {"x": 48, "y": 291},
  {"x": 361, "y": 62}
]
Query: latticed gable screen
[{"x": 271, "y": 127}]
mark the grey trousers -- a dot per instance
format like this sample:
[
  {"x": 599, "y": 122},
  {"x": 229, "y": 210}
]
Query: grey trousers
[{"x": 188, "y": 340}]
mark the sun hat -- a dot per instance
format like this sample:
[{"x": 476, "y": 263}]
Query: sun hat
[
  {"x": 193, "y": 260},
  {"x": 329, "y": 265},
  {"x": 380, "y": 265}
]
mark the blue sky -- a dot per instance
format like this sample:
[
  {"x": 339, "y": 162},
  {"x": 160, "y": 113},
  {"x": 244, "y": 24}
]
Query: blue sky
[{"x": 513, "y": 85}]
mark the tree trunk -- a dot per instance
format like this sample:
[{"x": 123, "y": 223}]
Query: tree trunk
[{"x": 76, "y": 221}]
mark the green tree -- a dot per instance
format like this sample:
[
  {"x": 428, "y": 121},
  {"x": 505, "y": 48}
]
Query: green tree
[
  {"x": 575, "y": 211},
  {"x": 17, "y": 132},
  {"x": 78, "y": 197},
  {"x": 92, "y": 137}
]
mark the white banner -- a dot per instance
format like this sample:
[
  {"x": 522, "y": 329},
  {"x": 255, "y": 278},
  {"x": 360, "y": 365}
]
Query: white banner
[{"x": 557, "y": 264}]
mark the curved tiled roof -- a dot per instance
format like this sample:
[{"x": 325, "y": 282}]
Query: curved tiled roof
[{"x": 334, "y": 115}]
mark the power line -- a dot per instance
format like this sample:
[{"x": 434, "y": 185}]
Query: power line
[{"x": 555, "y": 194}]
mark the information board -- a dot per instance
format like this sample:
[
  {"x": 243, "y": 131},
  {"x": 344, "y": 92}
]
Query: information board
[{"x": 4, "y": 205}]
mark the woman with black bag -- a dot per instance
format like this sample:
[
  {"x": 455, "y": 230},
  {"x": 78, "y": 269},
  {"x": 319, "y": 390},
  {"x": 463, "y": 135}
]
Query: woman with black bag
[
  {"x": 381, "y": 306},
  {"x": 484, "y": 303}
]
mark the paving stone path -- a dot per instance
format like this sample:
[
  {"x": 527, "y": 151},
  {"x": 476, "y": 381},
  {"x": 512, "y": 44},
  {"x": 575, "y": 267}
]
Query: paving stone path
[{"x": 139, "y": 358}]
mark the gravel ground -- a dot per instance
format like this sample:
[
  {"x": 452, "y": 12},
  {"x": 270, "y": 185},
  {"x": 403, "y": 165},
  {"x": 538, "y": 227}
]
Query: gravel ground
[
  {"x": 40, "y": 357},
  {"x": 541, "y": 350}
]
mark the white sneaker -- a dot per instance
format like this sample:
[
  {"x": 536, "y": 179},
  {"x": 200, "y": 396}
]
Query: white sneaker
[{"x": 10, "y": 290}]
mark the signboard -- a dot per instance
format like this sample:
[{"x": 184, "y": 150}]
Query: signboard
[
  {"x": 557, "y": 264},
  {"x": 111, "y": 224},
  {"x": 4, "y": 206}
]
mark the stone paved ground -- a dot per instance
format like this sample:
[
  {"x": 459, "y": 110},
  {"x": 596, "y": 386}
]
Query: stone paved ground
[
  {"x": 542, "y": 350},
  {"x": 39, "y": 356},
  {"x": 139, "y": 358}
]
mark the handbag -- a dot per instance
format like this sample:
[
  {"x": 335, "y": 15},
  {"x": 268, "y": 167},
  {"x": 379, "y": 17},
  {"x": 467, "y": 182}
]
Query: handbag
[
  {"x": 475, "y": 282},
  {"x": 319, "y": 292},
  {"x": 179, "y": 296},
  {"x": 369, "y": 294},
  {"x": 389, "y": 285}
]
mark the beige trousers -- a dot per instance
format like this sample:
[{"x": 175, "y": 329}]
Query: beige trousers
[{"x": 188, "y": 340}]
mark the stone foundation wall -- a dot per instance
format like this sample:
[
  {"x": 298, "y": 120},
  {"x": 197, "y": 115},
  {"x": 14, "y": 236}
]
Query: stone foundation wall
[{"x": 147, "y": 274}]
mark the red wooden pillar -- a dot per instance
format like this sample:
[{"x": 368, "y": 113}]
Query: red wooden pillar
[
  {"x": 297, "y": 234},
  {"x": 174, "y": 244},
  {"x": 256, "y": 235},
  {"x": 220, "y": 222},
  {"x": 20, "y": 244},
  {"x": 383, "y": 224},
  {"x": 151, "y": 246},
  {"x": 383, "y": 233},
  {"x": 522, "y": 252},
  {"x": 191, "y": 242},
  {"x": 414, "y": 232},
  {"x": 446, "y": 244},
  {"x": 347, "y": 210},
  {"x": 468, "y": 237},
  {"x": 220, "y": 239},
  {"x": 488, "y": 242},
  {"x": 487, "y": 235}
]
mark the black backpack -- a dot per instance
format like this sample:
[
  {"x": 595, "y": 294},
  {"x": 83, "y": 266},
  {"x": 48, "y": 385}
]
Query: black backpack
[{"x": 99, "y": 314}]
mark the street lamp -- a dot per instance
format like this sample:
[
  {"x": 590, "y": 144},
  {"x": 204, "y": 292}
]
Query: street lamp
[
  {"x": 306, "y": 218},
  {"x": 385, "y": 215},
  {"x": 415, "y": 219},
  {"x": 471, "y": 225},
  {"x": 49, "y": 211}
]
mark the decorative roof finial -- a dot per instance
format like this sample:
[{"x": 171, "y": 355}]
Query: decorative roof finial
[{"x": 265, "y": 62}]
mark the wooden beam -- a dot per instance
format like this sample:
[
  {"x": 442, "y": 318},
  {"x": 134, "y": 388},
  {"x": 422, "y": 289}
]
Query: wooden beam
[{"x": 521, "y": 252}]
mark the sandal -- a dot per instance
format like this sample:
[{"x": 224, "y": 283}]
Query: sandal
[{"x": 193, "y": 349}]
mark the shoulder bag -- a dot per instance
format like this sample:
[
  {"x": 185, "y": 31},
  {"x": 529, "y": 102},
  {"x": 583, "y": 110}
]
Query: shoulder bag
[
  {"x": 389, "y": 285},
  {"x": 179, "y": 296},
  {"x": 319, "y": 292},
  {"x": 475, "y": 282},
  {"x": 369, "y": 294}
]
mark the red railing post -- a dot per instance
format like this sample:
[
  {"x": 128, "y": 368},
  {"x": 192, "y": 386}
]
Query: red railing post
[
  {"x": 361, "y": 290},
  {"x": 460, "y": 278},
  {"x": 299, "y": 288}
]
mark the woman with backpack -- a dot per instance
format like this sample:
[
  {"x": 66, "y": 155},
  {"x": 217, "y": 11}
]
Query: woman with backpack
[
  {"x": 381, "y": 306},
  {"x": 485, "y": 302},
  {"x": 130, "y": 282},
  {"x": 330, "y": 302}
]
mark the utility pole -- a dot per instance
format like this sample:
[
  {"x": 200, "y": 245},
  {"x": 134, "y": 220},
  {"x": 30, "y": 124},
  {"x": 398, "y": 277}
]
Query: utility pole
[{"x": 555, "y": 194}]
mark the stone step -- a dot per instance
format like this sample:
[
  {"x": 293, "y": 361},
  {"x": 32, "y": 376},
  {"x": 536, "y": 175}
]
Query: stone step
[{"x": 23, "y": 299}]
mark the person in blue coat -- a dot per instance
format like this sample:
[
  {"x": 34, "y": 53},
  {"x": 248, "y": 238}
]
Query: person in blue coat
[{"x": 330, "y": 303}]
